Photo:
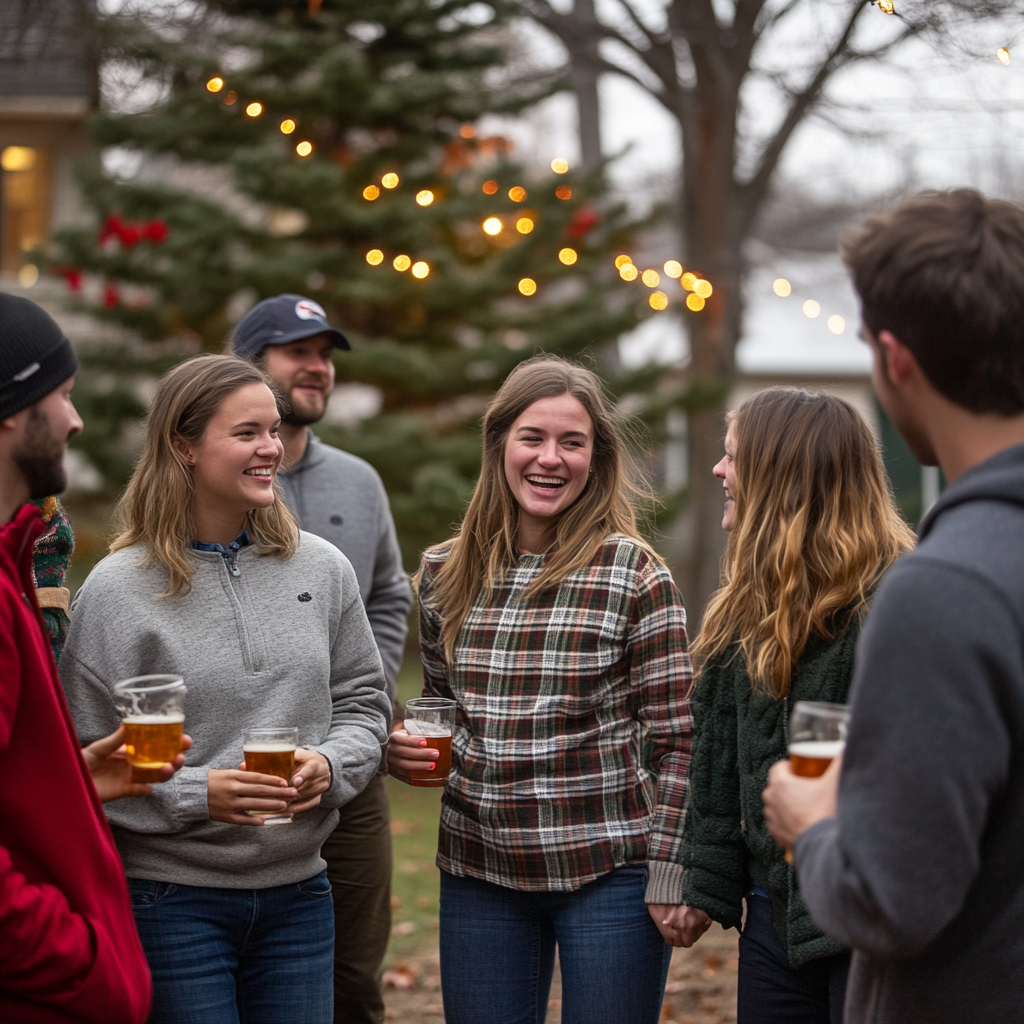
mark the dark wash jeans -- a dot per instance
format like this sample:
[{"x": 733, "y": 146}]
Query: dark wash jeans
[
  {"x": 771, "y": 991},
  {"x": 238, "y": 956},
  {"x": 498, "y": 952}
]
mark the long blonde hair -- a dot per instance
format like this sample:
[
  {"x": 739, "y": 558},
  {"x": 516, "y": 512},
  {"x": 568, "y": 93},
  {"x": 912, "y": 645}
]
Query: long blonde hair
[
  {"x": 158, "y": 502},
  {"x": 815, "y": 528},
  {"x": 486, "y": 544}
]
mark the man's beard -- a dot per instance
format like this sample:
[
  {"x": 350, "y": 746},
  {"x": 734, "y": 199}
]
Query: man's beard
[
  {"x": 40, "y": 458},
  {"x": 304, "y": 415}
]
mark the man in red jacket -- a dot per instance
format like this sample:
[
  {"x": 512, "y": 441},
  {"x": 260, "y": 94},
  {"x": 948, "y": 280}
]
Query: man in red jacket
[{"x": 68, "y": 946}]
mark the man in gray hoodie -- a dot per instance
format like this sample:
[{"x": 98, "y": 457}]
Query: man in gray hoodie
[
  {"x": 918, "y": 865},
  {"x": 340, "y": 498}
]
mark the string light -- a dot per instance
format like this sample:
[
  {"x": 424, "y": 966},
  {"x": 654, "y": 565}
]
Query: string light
[
  {"x": 287, "y": 126},
  {"x": 658, "y": 300},
  {"x": 567, "y": 256},
  {"x": 489, "y": 187},
  {"x": 401, "y": 263},
  {"x": 304, "y": 148},
  {"x": 887, "y": 6},
  {"x": 517, "y": 193},
  {"x": 375, "y": 257},
  {"x": 524, "y": 225},
  {"x": 424, "y": 197},
  {"x": 254, "y": 109},
  {"x": 527, "y": 286},
  {"x": 782, "y": 288},
  {"x": 812, "y": 309},
  {"x": 651, "y": 278},
  {"x": 563, "y": 192},
  {"x": 231, "y": 98},
  {"x": 492, "y": 226},
  {"x": 620, "y": 261},
  {"x": 703, "y": 289},
  {"x": 688, "y": 280},
  {"x": 559, "y": 166},
  {"x": 1003, "y": 55},
  {"x": 673, "y": 268},
  {"x": 390, "y": 180},
  {"x": 215, "y": 84},
  {"x": 694, "y": 302},
  {"x": 371, "y": 192},
  {"x": 420, "y": 269},
  {"x": 467, "y": 131},
  {"x": 628, "y": 272},
  {"x": 836, "y": 324}
]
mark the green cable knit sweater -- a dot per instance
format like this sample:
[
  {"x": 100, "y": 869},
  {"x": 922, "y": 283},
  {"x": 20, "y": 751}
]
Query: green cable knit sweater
[{"x": 738, "y": 734}]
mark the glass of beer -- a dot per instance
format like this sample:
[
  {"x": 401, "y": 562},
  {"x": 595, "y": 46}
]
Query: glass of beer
[
  {"x": 271, "y": 752},
  {"x": 433, "y": 718},
  {"x": 152, "y": 709}
]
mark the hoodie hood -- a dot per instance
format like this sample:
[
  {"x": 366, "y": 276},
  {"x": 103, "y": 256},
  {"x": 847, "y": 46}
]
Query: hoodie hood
[{"x": 999, "y": 478}]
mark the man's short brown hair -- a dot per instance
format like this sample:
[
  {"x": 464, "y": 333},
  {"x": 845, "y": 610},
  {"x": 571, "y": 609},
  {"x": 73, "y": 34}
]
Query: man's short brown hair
[{"x": 944, "y": 272}]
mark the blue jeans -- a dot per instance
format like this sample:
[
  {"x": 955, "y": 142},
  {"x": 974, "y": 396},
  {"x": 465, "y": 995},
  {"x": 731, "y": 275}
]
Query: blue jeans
[
  {"x": 498, "y": 952},
  {"x": 238, "y": 956},
  {"x": 770, "y": 991}
]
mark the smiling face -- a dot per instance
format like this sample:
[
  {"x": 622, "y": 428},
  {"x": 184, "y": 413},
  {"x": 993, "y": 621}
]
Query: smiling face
[
  {"x": 547, "y": 463},
  {"x": 305, "y": 373},
  {"x": 725, "y": 470},
  {"x": 234, "y": 466}
]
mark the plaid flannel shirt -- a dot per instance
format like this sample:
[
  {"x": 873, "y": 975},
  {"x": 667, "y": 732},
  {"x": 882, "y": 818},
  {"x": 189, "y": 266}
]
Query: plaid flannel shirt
[{"x": 572, "y": 747}]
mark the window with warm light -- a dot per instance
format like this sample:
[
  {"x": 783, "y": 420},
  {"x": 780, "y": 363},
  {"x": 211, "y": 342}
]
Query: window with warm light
[{"x": 25, "y": 211}]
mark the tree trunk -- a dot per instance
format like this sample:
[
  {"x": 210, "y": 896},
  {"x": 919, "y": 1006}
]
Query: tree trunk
[{"x": 584, "y": 76}]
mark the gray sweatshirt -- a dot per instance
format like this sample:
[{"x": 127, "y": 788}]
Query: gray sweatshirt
[
  {"x": 341, "y": 498},
  {"x": 283, "y": 643},
  {"x": 922, "y": 870}
]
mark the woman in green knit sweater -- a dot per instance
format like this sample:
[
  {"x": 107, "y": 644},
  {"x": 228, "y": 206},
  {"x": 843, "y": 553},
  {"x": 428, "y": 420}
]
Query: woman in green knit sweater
[{"x": 812, "y": 527}]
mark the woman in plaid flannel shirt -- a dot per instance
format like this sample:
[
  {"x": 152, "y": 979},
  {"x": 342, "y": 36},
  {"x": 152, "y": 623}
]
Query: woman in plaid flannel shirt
[{"x": 562, "y": 638}]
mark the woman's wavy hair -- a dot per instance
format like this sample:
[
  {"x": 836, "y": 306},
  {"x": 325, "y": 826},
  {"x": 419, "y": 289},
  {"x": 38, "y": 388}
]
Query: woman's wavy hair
[
  {"x": 486, "y": 543},
  {"x": 157, "y": 505},
  {"x": 816, "y": 527}
]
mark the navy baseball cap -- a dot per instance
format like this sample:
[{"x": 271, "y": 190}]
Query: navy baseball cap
[{"x": 280, "y": 320}]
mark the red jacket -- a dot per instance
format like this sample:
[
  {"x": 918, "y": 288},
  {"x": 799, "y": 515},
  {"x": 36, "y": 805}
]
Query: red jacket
[{"x": 68, "y": 946}]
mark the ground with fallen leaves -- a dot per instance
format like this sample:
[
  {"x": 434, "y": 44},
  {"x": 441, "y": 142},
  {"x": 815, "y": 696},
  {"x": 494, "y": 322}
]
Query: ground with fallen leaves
[{"x": 701, "y": 985}]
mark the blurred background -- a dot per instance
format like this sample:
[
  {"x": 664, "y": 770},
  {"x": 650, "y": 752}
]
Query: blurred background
[{"x": 655, "y": 187}]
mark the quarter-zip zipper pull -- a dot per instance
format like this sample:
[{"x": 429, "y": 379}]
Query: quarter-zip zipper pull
[{"x": 232, "y": 559}]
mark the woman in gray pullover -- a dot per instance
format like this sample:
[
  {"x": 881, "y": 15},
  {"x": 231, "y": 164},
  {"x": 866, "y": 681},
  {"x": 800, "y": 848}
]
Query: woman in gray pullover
[{"x": 210, "y": 578}]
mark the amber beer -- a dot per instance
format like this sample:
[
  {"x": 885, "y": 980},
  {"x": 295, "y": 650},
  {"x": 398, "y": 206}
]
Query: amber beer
[
  {"x": 150, "y": 742},
  {"x": 271, "y": 759},
  {"x": 811, "y": 758},
  {"x": 434, "y": 719}
]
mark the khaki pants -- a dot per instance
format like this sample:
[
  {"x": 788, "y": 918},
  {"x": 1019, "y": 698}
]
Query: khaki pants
[{"x": 358, "y": 855}]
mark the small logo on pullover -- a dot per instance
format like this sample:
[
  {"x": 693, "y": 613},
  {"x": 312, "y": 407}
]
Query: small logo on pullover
[{"x": 305, "y": 597}]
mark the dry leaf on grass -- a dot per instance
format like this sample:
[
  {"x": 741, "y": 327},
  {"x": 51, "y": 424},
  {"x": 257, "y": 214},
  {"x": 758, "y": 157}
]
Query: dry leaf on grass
[{"x": 403, "y": 928}]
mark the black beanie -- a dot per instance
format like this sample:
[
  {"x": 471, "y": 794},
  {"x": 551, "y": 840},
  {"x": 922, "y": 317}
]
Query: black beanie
[{"x": 35, "y": 357}]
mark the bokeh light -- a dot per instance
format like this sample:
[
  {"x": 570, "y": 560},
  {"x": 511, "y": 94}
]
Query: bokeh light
[
  {"x": 490, "y": 187},
  {"x": 782, "y": 288},
  {"x": 559, "y": 166},
  {"x": 688, "y": 280},
  {"x": 401, "y": 263},
  {"x": 658, "y": 300},
  {"x": 887, "y": 6},
  {"x": 390, "y": 180},
  {"x": 371, "y": 192},
  {"x": 18, "y": 158},
  {"x": 254, "y": 109},
  {"x": 1003, "y": 54},
  {"x": 651, "y": 278},
  {"x": 420, "y": 269},
  {"x": 215, "y": 84},
  {"x": 524, "y": 225},
  {"x": 517, "y": 193},
  {"x": 492, "y": 226},
  {"x": 836, "y": 324},
  {"x": 567, "y": 256},
  {"x": 527, "y": 286},
  {"x": 467, "y": 131},
  {"x": 287, "y": 126},
  {"x": 304, "y": 148},
  {"x": 231, "y": 97},
  {"x": 621, "y": 260},
  {"x": 811, "y": 308},
  {"x": 703, "y": 289},
  {"x": 694, "y": 302},
  {"x": 375, "y": 257},
  {"x": 673, "y": 268},
  {"x": 628, "y": 272},
  {"x": 563, "y": 192},
  {"x": 424, "y": 197}
]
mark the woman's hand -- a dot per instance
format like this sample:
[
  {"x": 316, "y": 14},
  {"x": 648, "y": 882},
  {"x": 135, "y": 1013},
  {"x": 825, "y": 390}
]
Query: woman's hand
[
  {"x": 312, "y": 779},
  {"x": 408, "y": 753},
  {"x": 231, "y": 792},
  {"x": 111, "y": 773},
  {"x": 679, "y": 925}
]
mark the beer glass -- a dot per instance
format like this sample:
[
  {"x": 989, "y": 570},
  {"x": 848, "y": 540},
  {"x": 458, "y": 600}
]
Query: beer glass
[
  {"x": 271, "y": 752},
  {"x": 152, "y": 709},
  {"x": 433, "y": 718}
]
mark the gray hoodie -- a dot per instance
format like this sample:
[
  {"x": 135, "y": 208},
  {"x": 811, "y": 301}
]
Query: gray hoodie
[
  {"x": 922, "y": 870},
  {"x": 283, "y": 643}
]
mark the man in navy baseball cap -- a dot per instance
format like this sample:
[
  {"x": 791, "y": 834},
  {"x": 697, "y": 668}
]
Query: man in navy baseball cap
[{"x": 280, "y": 320}]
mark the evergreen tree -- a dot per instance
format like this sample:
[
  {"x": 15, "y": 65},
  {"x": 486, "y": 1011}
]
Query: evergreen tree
[{"x": 345, "y": 131}]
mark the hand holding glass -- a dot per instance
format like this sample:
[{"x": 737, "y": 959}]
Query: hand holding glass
[
  {"x": 271, "y": 752},
  {"x": 434, "y": 718},
  {"x": 152, "y": 709}
]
